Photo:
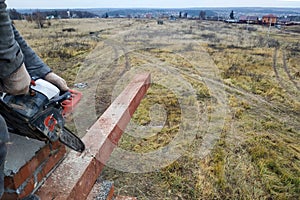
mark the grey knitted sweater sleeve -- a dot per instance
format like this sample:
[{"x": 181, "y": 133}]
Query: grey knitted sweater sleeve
[
  {"x": 34, "y": 64},
  {"x": 14, "y": 50},
  {"x": 11, "y": 57}
]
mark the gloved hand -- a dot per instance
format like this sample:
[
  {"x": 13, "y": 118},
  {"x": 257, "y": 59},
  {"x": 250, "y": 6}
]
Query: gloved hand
[
  {"x": 57, "y": 80},
  {"x": 17, "y": 83}
]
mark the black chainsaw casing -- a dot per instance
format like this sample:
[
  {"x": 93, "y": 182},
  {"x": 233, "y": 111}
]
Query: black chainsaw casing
[
  {"x": 37, "y": 117},
  {"x": 25, "y": 115}
]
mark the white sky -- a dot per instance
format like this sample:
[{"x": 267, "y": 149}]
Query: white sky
[{"x": 149, "y": 3}]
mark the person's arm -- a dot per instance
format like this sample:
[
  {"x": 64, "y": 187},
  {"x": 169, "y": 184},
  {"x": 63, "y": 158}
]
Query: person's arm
[
  {"x": 14, "y": 78},
  {"x": 11, "y": 57},
  {"x": 35, "y": 66}
]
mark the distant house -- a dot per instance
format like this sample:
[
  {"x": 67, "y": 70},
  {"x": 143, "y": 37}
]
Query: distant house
[
  {"x": 248, "y": 19},
  {"x": 269, "y": 19}
]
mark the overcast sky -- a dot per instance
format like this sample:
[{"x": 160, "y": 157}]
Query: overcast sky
[{"x": 149, "y": 3}]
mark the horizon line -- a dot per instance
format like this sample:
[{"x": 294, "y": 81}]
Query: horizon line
[{"x": 213, "y": 7}]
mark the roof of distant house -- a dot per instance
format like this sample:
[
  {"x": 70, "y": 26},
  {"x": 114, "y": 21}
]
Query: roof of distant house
[
  {"x": 243, "y": 17},
  {"x": 270, "y": 16}
]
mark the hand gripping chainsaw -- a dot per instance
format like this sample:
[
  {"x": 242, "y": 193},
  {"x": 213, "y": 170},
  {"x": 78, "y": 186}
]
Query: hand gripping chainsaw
[{"x": 41, "y": 114}]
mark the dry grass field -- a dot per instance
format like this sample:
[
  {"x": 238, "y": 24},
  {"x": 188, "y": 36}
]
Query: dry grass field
[{"x": 221, "y": 119}]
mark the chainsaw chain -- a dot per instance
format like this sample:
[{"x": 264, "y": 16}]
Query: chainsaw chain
[{"x": 71, "y": 140}]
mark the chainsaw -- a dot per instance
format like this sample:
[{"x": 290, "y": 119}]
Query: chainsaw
[{"x": 41, "y": 113}]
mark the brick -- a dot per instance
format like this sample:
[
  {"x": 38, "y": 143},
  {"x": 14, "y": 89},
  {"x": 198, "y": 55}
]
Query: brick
[
  {"x": 29, "y": 187},
  {"x": 55, "y": 145},
  {"x": 8, "y": 182},
  {"x": 53, "y": 160},
  {"x": 51, "y": 163},
  {"x": 25, "y": 172},
  {"x": 9, "y": 196},
  {"x": 34, "y": 170},
  {"x": 15, "y": 180},
  {"x": 76, "y": 175},
  {"x": 13, "y": 195}
]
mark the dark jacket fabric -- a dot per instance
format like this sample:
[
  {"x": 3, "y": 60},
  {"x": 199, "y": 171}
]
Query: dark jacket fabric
[
  {"x": 14, "y": 50},
  {"x": 11, "y": 56},
  {"x": 34, "y": 64}
]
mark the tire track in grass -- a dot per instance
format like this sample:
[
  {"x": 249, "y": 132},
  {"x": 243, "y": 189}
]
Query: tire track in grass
[
  {"x": 208, "y": 76},
  {"x": 214, "y": 126},
  {"x": 100, "y": 70},
  {"x": 283, "y": 113},
  {"x": 280, "y": 79},
  {"x": 275, "y": 55},
  {"x": 288, "y": 71},
  {"x": 211, "y": 132}
]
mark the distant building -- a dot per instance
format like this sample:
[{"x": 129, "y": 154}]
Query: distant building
[
  {"x": 215, "y": 18},
  {"x": 149, "y": 16},
  {"x": 289, "y": 20},
  {"x": 269, "y": 19},
  {"x": 231, "y": 21},
  {"x": 248, "y": 19},
  {"x": 295, "y": 18},
  {"x": 164, "y": 16},
  {"x": 284, "y": 21}
]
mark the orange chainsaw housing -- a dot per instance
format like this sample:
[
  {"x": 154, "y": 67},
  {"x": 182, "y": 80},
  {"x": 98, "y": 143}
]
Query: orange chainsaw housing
[{"x": 69, "y": 104}]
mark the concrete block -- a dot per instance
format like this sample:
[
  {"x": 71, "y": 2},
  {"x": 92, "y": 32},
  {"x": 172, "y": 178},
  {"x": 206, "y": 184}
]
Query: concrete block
[{"x": 77, "y": 174}]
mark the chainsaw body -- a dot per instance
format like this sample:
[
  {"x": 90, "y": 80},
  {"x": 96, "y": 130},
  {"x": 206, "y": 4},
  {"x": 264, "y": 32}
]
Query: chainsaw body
[{"x": 40, "y": 115}]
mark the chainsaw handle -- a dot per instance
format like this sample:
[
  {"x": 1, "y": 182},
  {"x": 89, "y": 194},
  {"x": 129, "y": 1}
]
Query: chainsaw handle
[
  {"x": 59, "y": 99},
  {"x": 31, "y": 91}
]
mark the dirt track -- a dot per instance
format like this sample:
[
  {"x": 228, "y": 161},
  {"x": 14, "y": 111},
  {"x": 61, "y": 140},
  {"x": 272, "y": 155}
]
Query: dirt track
[
  {"x": 177, "y": 61},
  {"x": 201, "y": 134}
]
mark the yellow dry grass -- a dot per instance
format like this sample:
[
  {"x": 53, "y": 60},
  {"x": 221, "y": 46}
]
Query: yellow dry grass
[{"x": 243, "y": 83}]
